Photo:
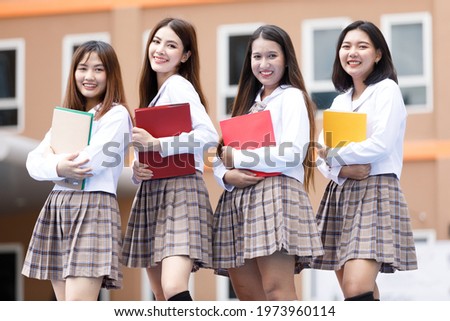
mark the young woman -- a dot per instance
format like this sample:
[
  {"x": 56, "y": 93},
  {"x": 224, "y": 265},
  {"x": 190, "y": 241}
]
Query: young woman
[
  {"x": 363, "y": 216},
  {"x": 264, "y": 228},
  {"x": 169, "y": 229},
  {"x": 76, "y": 243}
]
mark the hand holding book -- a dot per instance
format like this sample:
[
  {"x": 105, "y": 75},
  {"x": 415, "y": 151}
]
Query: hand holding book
[
  {"x": 71, "y": 168},
  {"x": 247, "y": 132},
  {"x": 227, "y": 157},
  {"x": 144, "y": 141},
  {"x": 163, "y": 121}
]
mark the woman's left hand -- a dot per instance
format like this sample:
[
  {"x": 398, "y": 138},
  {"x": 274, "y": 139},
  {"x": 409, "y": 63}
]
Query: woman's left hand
[{"x": 141, "y": 172}]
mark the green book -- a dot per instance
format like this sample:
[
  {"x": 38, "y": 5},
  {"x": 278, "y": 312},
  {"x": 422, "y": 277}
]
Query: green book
[{"x": 70, "y": 133}]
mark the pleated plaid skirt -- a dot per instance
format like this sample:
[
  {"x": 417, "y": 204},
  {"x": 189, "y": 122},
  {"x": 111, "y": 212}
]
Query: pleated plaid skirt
[
  {"x": 272, "y": 215},
  {"x": 77, "y": 234},
  {"x": 366, "y": 219},
  {"x": 170, "y": 216}
]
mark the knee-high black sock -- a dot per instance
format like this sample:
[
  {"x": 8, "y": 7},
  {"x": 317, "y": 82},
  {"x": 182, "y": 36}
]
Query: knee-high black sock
[
  {"x": 368, "y": 296},
  {"x": 182, "y": 296}
]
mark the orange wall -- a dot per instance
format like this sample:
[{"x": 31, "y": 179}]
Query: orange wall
[{"x": 426, "y": 174}]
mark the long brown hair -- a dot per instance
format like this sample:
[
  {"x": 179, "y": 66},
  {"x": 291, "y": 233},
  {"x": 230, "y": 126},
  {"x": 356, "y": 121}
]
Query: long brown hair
[
  {"x": 249, "y": 86},
  {"x": 114, "y": 93},
  {"x": 148, "y": 87}
]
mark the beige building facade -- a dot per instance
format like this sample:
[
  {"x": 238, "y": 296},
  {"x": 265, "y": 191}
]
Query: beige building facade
[{"x": 37, "y": 39}]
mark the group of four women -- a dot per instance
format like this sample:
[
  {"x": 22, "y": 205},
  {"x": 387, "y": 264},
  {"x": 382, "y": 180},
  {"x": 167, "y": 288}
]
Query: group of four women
[{"x": 263, "y": 230}]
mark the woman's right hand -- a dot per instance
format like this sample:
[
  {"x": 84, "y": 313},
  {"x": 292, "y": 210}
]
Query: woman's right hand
[
  {"x": 144, "y": 141},
  {"x": 241, "y": 178},
  {"x": 141, "y": 171},
  {"x": 356, "y": 172},
  {"x": 70, "y": 168}
]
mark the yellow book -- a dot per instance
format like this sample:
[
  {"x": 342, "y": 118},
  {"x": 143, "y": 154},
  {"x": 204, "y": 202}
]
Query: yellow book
[
  {"x": 341, "y": 128},
  {"x": 71, "y": 132}
]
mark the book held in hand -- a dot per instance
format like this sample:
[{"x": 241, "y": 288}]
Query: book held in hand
[
  {"x": 340, "y": 127},
  {"x": 166, "y": 121},
  {"x": 70, "y": 133},
  {"x": 248, "y": 132}
]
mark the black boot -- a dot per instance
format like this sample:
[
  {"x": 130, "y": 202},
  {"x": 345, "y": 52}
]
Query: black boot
[
  {"x": 368, "y": 296},
  {"x": 182, "y": 296}
]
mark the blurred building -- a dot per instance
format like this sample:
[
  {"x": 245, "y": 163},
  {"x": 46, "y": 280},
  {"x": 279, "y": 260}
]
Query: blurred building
[{"x": 37, "y": 39}]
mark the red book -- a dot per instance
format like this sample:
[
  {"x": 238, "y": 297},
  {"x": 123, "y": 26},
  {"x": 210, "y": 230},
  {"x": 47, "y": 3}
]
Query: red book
[
  {"x": 165, "y": 121},
  {"x": 249, "y": 131}
]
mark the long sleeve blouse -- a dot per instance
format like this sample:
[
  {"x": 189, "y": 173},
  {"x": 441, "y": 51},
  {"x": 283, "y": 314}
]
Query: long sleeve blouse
[
  {"x": 176, "y": 89},
  {"x": 110, "y": 136},
  {"x": 386, "y": 123},
  {"x": 291, "y": 128}
]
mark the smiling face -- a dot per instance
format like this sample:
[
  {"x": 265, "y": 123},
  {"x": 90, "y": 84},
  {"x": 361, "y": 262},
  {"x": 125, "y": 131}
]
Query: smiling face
[
  {"x": 358, "y": 55},
  {"x": 268, "y": 63},
  {"x": 90, "y": 78},
  {"x": 165, "y": 53}
]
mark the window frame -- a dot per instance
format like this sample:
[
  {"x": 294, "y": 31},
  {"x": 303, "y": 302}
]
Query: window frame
[
  {"x": 17, "y": 250},
  {"x": 224, "y": 90},
  {"x": 424, "y": 18},
  {"x": 308, "y": 27},
  {"x": 17, "y": 44},
  {"x": 71, "y": 40}
]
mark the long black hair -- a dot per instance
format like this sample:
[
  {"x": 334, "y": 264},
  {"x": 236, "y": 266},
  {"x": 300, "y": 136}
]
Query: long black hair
[{"x": 383, "y": 69}]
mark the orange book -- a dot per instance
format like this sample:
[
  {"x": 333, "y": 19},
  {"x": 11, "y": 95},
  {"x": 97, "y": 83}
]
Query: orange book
[
  {"x": 341, "y": 128},
  {"x": 249, "y": 131},
  {"x": 165, "y": 121}
]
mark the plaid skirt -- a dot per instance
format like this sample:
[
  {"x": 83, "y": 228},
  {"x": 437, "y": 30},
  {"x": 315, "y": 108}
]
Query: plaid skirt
[
  {"x": 366, "y": 219},
  {"x": 273, "y": 215},
  {"x": 170, "y": 216},
  {"x": 77, "y": 234}
]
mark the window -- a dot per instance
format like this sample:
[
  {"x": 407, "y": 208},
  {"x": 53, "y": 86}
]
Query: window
[
  {"x": 10, "y": 272},
  {"x": 318, "y": 50},
  {"x": 232, "y": 45},
  {"x": 412, "y": 59},
  {"x": 12, "y": 82},
  {"x": 145, "y": 36},
  {"x": 70, "y": 44}
]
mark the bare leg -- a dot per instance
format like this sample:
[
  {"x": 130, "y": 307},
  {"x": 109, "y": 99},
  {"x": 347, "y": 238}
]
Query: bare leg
[
  {"x": 59, "y": 287},
  {"x": 277, "y": 272},
  {"x": 247, "y": 282},
  {"x": 175, "y": 273},
  {"x": 83, "y": 289},
  {"x": 358, "y": 276},
  {"x": 376, "y": 292},
  {"x": 154, "y": 276}
]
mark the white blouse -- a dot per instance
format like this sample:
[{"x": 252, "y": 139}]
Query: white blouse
[
  {"x": 291, "y": 128},
  {"x": 110, "y": 135},
  {"x": 176, "y": 89},
  {"x": 386, "y": 123}
]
